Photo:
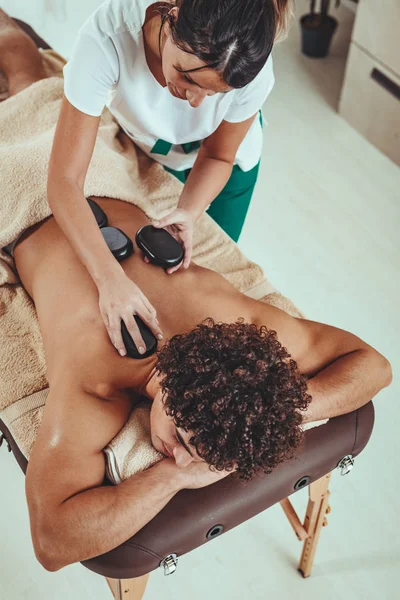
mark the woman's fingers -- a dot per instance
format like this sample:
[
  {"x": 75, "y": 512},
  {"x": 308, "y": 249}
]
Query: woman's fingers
[
  {"x": 164, "y": 222},
  {"x": 135, "y": 334},
  {"x": 177, "y": 216},
  {"x": 115, "y": 309},
  {"x": 173, "y": 269},
  {"x": 155, "y": 328},
  {"x": 188, "y": 255},
  {"x": 114, "y": 331},
  {"x": 179, "y": 223},
  {"x": 150, "y": 318}
]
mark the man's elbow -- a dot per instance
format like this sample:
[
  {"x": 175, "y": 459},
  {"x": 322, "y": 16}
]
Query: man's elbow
[
  {"x": 383, "y": 370},
  {"x": 47, "y": 555},
  {"x": 388, "y": 373},
  {"x": 47, "y": 551},
  {"x": 49, "y": 563}
]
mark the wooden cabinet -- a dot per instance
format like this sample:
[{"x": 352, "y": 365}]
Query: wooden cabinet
[
  {"x": 377, "y": 30},
  {"x": 369, "y": 104},
  {"x": 370, "y": 99}
]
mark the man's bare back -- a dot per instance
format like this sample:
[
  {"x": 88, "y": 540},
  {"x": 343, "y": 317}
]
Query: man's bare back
[{"x": 66, "y": 299}]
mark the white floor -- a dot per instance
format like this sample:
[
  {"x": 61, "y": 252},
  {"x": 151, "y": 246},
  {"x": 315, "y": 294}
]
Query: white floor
[{"x": 324, "y": 223}]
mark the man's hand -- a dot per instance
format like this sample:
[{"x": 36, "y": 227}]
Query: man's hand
[{"x": 196, "y": 475}]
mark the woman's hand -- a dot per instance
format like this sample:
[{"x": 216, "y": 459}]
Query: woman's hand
[
  {"x": 179, "y": 224},
  {"x": 120, "y": 299}
]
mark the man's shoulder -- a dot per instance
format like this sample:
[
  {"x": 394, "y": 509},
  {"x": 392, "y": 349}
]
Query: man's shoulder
[
  {"x": 311, "y": 344},
  {"x": 296, "y": 334},
  {"x": 275, "y": 318},
  {"x": 85, "y": 399},
  {"x": 67, "y": 457}
]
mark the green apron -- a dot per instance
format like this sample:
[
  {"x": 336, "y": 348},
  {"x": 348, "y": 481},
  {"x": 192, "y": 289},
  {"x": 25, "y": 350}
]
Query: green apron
[{"x": 229, "y": 209}]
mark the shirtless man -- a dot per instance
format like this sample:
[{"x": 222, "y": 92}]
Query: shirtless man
[{"x": 223, "y": 395}]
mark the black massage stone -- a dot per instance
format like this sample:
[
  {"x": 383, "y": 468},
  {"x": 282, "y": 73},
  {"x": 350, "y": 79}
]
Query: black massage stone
[
  {"x": 119, "y": 244},
  {"x": 149, "y": 339},
  {"x": 99, "y": 213},
  {"x": 160, "y": 247}
]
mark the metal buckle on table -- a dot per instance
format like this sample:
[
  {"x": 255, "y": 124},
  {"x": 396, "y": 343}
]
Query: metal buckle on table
[
  {"x": 170, "y": 564},
  {"x": 346, "y": 464}
]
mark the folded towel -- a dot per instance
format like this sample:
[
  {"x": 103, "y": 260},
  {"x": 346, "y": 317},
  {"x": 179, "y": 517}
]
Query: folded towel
[
  {"x": 131, "y": 451},
  {"x": 117, "y": 170}
]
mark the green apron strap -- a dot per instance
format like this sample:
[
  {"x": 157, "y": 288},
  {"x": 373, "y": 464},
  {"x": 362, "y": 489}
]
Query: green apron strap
[
  {"x": 161, "y": 147},
  {"x": 190, "y": 147}
]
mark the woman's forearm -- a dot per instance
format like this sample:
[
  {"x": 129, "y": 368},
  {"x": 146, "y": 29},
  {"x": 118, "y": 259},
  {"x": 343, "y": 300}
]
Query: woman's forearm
[
  {"x": 207, "y": 179},
  {"x": 75, "y": 218},
  {"x": 347, "y": 384}
]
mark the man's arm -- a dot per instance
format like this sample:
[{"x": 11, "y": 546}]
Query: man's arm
[
  {"x": 347, "y": 384},
  {"x": 344, "y": 372},
  {"x": 73, "y": 517}
]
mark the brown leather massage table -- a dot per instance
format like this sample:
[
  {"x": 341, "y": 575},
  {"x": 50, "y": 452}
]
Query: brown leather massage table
[{"x": 195, "y": 517}]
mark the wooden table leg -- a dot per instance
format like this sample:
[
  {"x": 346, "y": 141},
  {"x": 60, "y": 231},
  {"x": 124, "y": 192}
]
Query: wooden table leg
[
  {"x": 128, "y": 589},
  {"x": 318, "y": 506},
  {"x": 293, "y": 519}
]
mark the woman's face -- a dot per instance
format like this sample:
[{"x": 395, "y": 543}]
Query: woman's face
[{"x": 194, "y": 86}]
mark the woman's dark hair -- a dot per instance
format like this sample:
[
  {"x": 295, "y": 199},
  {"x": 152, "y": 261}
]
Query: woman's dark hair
[
  {"x": 235, "y": 388},
  {"x": 234, "y": 37}
]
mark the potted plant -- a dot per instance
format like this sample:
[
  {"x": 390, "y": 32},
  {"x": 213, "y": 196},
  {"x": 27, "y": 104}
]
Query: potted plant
[{"x": 317, "y": 29}]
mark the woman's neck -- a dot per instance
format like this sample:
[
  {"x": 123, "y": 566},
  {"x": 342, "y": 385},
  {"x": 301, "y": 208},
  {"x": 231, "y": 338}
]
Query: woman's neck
[{"x": 151, "y": 37}]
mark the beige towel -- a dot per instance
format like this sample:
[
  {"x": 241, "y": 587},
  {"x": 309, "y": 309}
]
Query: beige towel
[
  {"x": 131, "y": 451},
  {"x": 119, "y": 170}
]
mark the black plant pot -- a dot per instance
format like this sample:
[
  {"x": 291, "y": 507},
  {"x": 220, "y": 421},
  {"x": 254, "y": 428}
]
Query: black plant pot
[{"x": 317, "y": 34}]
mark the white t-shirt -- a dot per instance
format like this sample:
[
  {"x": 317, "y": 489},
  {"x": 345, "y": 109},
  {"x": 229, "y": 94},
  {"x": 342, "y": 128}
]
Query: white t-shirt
[{"x": 108, "y": 68}]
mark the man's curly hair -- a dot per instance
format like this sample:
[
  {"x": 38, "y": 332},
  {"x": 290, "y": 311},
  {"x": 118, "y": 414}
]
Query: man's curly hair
[{"x": 236, "y": 389}]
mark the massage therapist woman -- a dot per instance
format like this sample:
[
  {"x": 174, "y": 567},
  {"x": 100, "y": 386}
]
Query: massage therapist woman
[{"x": 186, "y": 81}]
